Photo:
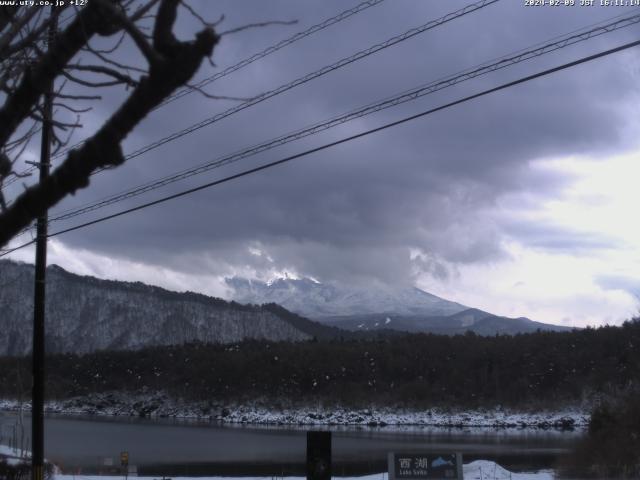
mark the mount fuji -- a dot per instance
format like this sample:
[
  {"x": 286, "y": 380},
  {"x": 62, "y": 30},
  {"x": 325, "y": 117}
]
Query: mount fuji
[{"x": 354, "y": 308}]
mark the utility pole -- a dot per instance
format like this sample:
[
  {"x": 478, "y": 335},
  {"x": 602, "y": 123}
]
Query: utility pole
[{"x": 37, "y": 394}]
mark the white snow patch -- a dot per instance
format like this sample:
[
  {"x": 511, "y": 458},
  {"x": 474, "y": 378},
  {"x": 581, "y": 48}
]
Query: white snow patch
[
  {"x": 14, "y": 456},
  {"x": 487, "y": 470},
  {"x": 158, "y": 404},
  {"x": 477, "y": 470}
]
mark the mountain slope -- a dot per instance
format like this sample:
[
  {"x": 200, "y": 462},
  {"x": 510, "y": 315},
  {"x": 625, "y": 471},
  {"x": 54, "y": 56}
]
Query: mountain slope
[
  {"x": 85, "y": 314},
  {"x": 379, "y": 309},
  {"x": 470, "y": 320},
  {"x": 320, "y": 300}
]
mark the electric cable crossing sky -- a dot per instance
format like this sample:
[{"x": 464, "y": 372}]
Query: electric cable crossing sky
[{"x": 446, "y": 82}]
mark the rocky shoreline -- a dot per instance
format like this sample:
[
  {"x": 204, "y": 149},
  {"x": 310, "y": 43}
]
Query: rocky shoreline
[{"x": 159, "y": 405}]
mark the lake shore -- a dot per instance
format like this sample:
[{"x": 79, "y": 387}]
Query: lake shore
[
  {"x": 158, "y": 405},
  {"x": 89, "y": 444}
]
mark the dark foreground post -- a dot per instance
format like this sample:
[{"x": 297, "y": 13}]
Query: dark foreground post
[
  {"x": 37, "y": 393},
  {"x": 318, "y": 455}
]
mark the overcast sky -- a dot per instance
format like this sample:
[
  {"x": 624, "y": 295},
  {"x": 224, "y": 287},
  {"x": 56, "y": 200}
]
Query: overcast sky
[{"x": 521, "y": 203}]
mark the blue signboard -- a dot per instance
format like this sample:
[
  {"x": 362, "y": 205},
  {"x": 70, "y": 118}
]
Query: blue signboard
[{"x": 425, "y": 466}]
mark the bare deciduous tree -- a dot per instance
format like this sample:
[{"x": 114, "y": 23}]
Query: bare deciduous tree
[{"x": 30, "y": 65}]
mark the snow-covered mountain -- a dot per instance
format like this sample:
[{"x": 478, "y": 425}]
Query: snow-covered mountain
[
  {"x": 84, "y": 314},
  {"x": 321, "y": 300},
  {"x": 377, "y": 308},
  {"x": 470, "y": 320}
]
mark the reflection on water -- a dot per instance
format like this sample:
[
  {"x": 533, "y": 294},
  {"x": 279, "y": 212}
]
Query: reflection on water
[{"x": 188, "y": 447}]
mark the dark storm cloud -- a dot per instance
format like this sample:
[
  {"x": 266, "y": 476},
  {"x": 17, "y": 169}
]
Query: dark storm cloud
[{"x": 358, "y": 210}]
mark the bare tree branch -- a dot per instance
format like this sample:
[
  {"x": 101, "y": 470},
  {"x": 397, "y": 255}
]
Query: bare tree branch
[
  {"x": 136, "y": 35},
  {"x": 143, "y": 10},
  {"x": 55, "y": 123},
  {"x": 88, "y": 83},
  {"x": 102, "y": 55},
  {"x": 27, "y": 136},
  {"x": 72, "y": 109},
  {"x": 178, "y": 63},
  {"x": 23, "y": 147},
  {"x": 8, "y": 50},
  {"x": 35, "y": 80},
  {"x": 101, "y": 69},
  {"x": 63, "y": 143},
  {"x": 67, "y": 96},
  {"x": 163, "y": 39},
  {"x": 257, "y": 25},
  {"x": 216, "y": 97},
  {"x": 16, "y": 27},
  {"x": 199, "y": 17},
  {"x": 105, "y": 51}
]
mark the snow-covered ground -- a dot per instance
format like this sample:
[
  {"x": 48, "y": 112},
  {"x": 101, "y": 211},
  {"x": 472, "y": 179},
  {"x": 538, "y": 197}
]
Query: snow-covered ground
[
  {"x": 158, "y": 405},
  {"x": 13, "y": 456},
  {"x": 478, "y": 470}
]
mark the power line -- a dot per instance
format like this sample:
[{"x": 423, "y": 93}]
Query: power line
[
  {"x": 299, "y": 81},
  {"x": 339, "y": 142},
  {"x": 264, "y": 53},
  {"x": 247, "y": 61},
  {"x": 272, "y": 49},
  {"x": 307, "y": 78},
  {"x": 404, "y": 97},
  {"x": 283, "y": 88}
]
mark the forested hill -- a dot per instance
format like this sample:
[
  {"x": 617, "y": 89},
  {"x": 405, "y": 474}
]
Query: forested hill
[
  {"x": 85, "y": 314},
  {"x": 536, "y": 369}
]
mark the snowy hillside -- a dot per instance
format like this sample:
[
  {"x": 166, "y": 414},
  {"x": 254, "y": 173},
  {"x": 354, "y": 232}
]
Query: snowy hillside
[
  {"x": 377, "y": 308},
  {"x": 317, "y": 300},
  {"x": 85, "y": 314}
]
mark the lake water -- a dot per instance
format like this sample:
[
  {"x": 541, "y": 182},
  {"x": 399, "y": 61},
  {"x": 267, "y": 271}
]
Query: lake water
[{"x": 173, "y": 447}]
